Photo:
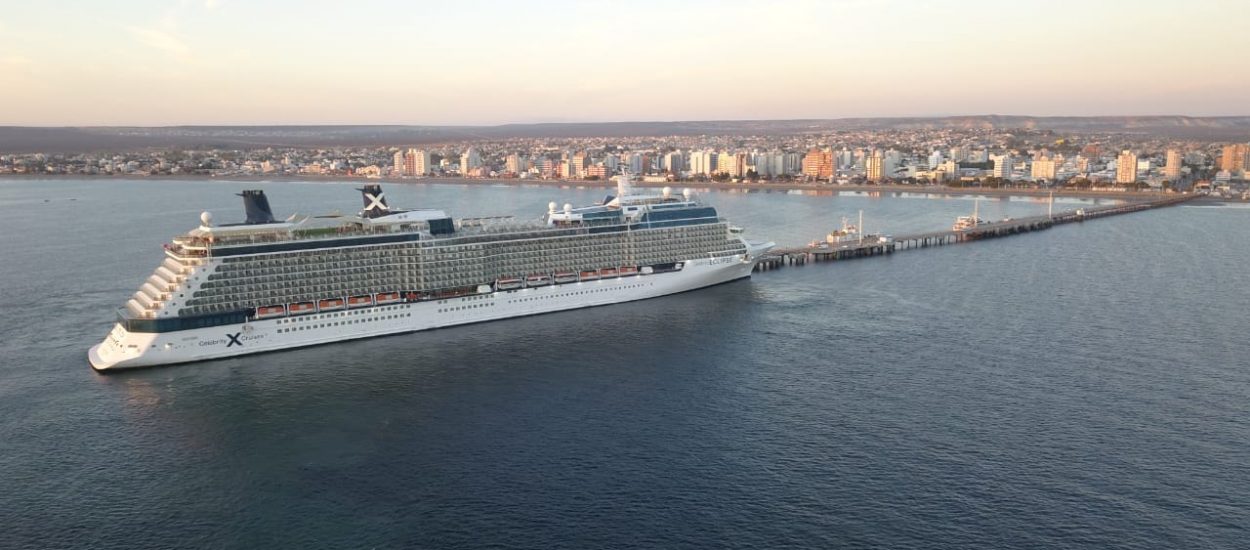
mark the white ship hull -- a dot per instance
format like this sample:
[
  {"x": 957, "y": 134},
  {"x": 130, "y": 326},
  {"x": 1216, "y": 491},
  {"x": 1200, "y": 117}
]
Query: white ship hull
[{"x": 123, "y": 349}]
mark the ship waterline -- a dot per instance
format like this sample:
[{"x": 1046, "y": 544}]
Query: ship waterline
[{"x": 266, "y": 285}]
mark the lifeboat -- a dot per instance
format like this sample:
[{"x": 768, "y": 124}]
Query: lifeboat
[
  {"x": 360, "y": 301},
  {"x": 565, "y": 277},
  {"x": 607, "y": 272},
  {"x": 330, "y": 304},
  {"x": 386, "y": 298},
  {"x": 627, "y": 270},
  {"x": 588, "y": 275},
  {"x": 537, "y": 280},
  {"x": 414, "y": 296},
  {"x": 302, "y": 307},
  {"x": 507, "y": 284},
  {"x": 268, "y": 312},
  {"x": 647, "y": 270}
]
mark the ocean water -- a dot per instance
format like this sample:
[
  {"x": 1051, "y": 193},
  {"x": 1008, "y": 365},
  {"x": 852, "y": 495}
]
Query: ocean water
[{"x": 1082, "y": 387}]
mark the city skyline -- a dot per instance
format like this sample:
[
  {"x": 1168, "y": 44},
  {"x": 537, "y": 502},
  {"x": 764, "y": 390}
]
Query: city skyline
[{"x": 226, "y": 62}]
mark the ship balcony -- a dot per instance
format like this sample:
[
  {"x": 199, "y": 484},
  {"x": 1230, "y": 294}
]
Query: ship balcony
[
  {"x": 184, "y": 254},
  {"x": 147, "y": 301},
  {"x": 153, "y": 292},
  {"x": 169, "y": 275},
  {"x": 136, "y": 309},
  {"x": 161, "y": 285}
]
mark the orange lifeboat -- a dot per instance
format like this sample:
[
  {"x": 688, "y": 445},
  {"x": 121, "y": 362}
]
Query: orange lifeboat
[
  {"x": 360, "y": 301},
  {"x": 330, "y": 304},
  {"x": 269, "y": 312},
  {"x": 302, "y": 307},
  {"x": 386, "y": 298}
]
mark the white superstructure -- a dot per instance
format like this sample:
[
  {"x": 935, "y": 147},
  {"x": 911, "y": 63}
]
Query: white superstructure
[{"x": 267, "y": 285}]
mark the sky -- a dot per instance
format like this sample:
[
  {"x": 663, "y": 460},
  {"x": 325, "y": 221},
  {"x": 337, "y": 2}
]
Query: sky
[{"x": 468, "y": 62}]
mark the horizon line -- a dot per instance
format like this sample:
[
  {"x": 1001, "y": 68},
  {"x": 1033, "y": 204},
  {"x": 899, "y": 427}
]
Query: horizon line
[{"x": 570, "y": 123}]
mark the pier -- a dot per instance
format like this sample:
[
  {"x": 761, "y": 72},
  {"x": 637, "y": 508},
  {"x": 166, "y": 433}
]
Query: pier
[{"x": 781, "y": 257}]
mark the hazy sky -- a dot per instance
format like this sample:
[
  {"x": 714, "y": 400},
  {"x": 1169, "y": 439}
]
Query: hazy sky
[{"x": 488, "y": 62}]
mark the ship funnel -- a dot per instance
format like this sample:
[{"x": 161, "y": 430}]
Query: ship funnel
[
  {"x": 375, "y": 201},
  {"x": 256, "y": 205}
]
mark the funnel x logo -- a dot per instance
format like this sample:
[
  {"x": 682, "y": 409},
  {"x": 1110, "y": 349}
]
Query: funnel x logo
[
  {"x": 234, "y": 339},
  {"x": 375, "y": 201}
]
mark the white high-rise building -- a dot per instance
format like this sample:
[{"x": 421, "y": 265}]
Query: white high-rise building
[
  {"x": 874, "y": 166},
  {"x": 635, "y": 163},
  {"x": 935, "y": 158},
  {"x": 702, "y": 163},
  {"x": 417, "y": 163},
  {"x": 893, "y": 159},
  {"x": 469, "y": 160},
  {"x": 1172, "y": 170},
  {"x": 516, "y": 164},
  {"x": 1044, "y": 168},
  {"x": 1003, "y": 165},
  {"x": 675, "y": 162},
  {"x": 959, "y": 154},
  {"x": 397, "y": 164},
  {"x": 1126, "y": 167}
]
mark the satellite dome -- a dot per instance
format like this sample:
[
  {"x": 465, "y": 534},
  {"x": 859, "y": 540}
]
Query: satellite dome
[
  {"x": 551, "y": 206},
  {"x": 687, "y": 193},
  {"x": 568, "y": 208},
  {"x": 206, "y": 218},
  {"x": 667, "y": 192}
]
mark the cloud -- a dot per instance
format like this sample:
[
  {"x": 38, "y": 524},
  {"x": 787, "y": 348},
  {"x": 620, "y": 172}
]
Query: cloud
[{"x": 160, "y": 40}]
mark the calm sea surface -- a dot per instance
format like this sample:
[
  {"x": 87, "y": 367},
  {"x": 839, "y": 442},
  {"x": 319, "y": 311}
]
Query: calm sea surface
[{"x": 1083, "y": 387}]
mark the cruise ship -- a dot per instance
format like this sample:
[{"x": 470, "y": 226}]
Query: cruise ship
[{"x": 266, "y": 284}]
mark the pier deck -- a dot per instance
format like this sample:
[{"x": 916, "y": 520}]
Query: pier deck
[{"x": 781, "y": 257}]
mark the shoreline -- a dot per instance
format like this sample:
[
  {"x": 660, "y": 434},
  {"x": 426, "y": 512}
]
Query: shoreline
[{"x": 608, "y": 184}]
